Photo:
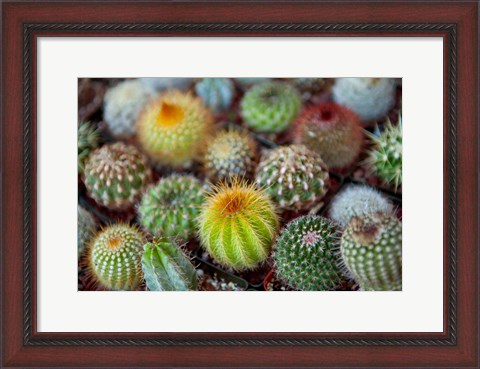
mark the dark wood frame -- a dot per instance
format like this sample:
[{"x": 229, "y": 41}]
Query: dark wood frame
[{"x": 22, "y": 345}]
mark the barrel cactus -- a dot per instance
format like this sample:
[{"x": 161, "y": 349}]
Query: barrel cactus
[
  {"x": 173, "y": 128},
  {"x": 270, "y": 107},
  {"x": 116, "y": 174},
  {"x": 358, "y": 200},
  {"x": 370, "y": 98},
  {"x": 371, "y": 249},
  {"x": 122, "y": 105},
  {"x": 114, "y": 257},
  {"x": 385, "y": 156},
  {"x": 295, "y": 177},
  {"x": 231, "y": 153},
  {"x": 171, "y": 206},
  {"x": 332, "y": 131},
  {"x": 166, "y": 268},
  {"x": 308, "y": 86},
  {"x": 237, "y": 225},
  {"x": 85, "y": 228},
  {"x": 160, "y": 84},
  {"x": 88, "y": 139},
  {"x": 307, "y": 254},
  {"x": 216, "y": 93}
]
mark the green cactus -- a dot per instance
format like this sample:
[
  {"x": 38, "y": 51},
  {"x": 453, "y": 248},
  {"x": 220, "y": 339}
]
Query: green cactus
[
  {"x": 171, "y": 206},
  {"x": 332, "y": 131},
  {"x": 85, "y": 228},
  {"x": 231, "y": 153},
  {"x": 114, "y": 257},
  {"x": 306, "y": 254},
  {"x": 116, "y": 175},
  {"x": 237, "y": 225},
  {"x": 270, "y": 107},
  {"x": 88, "y": 139},
  {"x": 371, "y": 249},
  {"x": 385, "y": 157},
  {"x": 216, "y": 93},
  {"x": 173, "y": 128},
  {"x": 166, "y": 268},
  {"x": 295, "y": 178}
]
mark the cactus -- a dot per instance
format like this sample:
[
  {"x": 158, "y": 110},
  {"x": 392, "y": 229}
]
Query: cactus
[
  {"x": 115, "y": 175},
  {"x": 247, "y": 82},
  {"x": 88, "y": 139},
  {"x": 231, "y": 153},
  {"x": 332, "y": 131},
  {"x": 295, "y": 177},
  {"x": 358, "y": 200},
  {"x": 371, "y": 248},
  {"x": 170, "y": 207},
  {"x": 237, "y": 225},
  {"x": 385, "y": 157},
  {"x": 270, "y": 107},
  {"x": 85, "y": 228},
  {"x": 370, "y": 98},
  {"x": 166, "y": 83},
  {"x": 114, "y": 257},
  {"x": 306, "y": 254},
  {"x": 173, "y": 128},
  {"x": 216, "y": 93},
  {"x": 122, "y": 105},
  {"x": 166, "y": 268},
  {"x": 308, "y": 86}
]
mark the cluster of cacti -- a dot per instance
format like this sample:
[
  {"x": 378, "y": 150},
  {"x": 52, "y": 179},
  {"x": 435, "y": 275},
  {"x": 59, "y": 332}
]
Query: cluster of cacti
[
  {"x": 85, "y": 228},
  {"x": 371, "y": 249},
  {"x": 216, "y": 93},
  {"x": 166, "y": 268},
  {"x": 307, "y": 254},
  {"x": 170, "y": 207},
  {"x": 231, "y": 153},
  {"x": 116, "y": 175},
  {"x": 88, "y": 139},
  {"x": 332, "y": 131},
  {"x": 385, "y": 156},
  {"x": 270, "y": 107},
  {"x": 370, "y": 98},
  {"x": 295, "y": 177},
  {"x": 237, "y": 225},
  {"x": 173, "y": 128}
]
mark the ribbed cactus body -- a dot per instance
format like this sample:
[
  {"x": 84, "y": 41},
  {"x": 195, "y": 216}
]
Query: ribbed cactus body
[
  {"x": 237, "y": 225},
  {"x": 216, "y": 93},
  {"x": 332, "y": 131},
  {"x": 270, "y": 107},
  {"x": 173, "y": 128},
  {"x": 114, "y": 257},
  {"x": 116, "y": 174},
  {"x": 85, "y": 228},
  {"x": 166, "y": 268},
  {"x": 295, "y": 177},
  {"x": 231, "y": 153},
  {"x": 385, "y": 156},
  {"x": 370, "y": 98},
  {"x": 170, "y": 207},
  {"x": 371, "y": 249},
  {"x": 307, "y": 254},
  {"x": 88, "y": 139}
]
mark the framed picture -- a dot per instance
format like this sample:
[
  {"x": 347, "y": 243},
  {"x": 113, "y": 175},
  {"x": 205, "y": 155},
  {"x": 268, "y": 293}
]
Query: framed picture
[{"x": 251, "y": 184}]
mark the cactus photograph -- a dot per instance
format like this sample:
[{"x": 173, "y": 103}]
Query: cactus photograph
[{"x": 239, "y": 184}]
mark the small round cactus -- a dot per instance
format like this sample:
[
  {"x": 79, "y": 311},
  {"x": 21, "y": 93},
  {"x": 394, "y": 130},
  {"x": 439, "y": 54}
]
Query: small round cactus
[
  {"x": 247, "y": 82},
  {"x": 308, "y": 86},
  {"x": 371, "y": 248},
  {"x": 332, "y": 131},
  {"x": 160, "y": 84},
  {"x": 295, "y": 177},
  {"x": 122, "y": 104},
  {"x": 385, "y": 157},
  {"x": 307, "y": 254},
  {"x": 88, "y": 139},
  {"x": 231, "y": 153},
  {"x": 270, "y": 107},
  {"x": 116, "y": 174},
  {"x": 237, "y": 225},
  {"x": 358, "y": 200},
  {"x": 85, "y": 228},
  {"x": 166, "y": 268},
  {"x": 216, "y": 93},
  {"x": 170, "y": 207},
  {"x": 114, "y": 257},
  {"x": 370, "y": 98},
  {"x": 173, "y": 128}
]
